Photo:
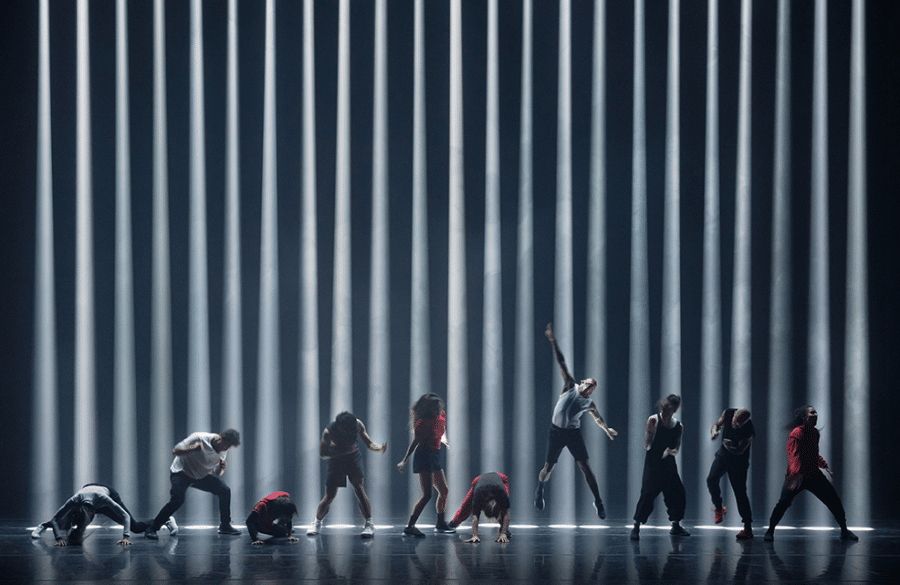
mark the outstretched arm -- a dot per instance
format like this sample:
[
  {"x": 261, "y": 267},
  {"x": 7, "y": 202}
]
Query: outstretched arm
[
  {"x": 568, "y": 380},
  {"x": 611, "y": 433},
  {"x": 372, "y": 445}
]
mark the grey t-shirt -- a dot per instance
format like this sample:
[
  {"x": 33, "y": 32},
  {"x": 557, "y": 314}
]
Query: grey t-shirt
[{"x": 569, "y": 407}]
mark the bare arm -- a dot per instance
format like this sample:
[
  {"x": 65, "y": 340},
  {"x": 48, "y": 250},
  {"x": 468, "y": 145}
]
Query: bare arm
[
  {"x": 650, "y": 432},
  {"x": 504, "y": 526},
  {"x": 611, "y": 433},
  {"x": 475, "y": 529},
  {"x": 195, "y": 446},
  {"x": 253, "y": 527},
  {"x": 717, "y": 428},
  {"x": 412, "y": 447},
  {"x": 372, "y": 445},
  {"x": 325, "y": 444},
  {"x": 568, "y": 380}
]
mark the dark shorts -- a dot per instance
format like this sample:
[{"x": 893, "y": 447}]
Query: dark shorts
[
  {"x": 425, "y": 461},
  {"x": 570, "y": 438},
  {"x": 340, "y": 468}
]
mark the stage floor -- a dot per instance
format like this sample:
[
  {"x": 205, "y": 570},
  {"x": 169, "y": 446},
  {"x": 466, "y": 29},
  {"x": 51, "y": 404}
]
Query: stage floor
[{"x": 535, "y": 554}]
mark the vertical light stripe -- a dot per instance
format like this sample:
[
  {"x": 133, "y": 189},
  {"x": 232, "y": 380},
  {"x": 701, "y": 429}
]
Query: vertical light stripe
[
  {"x": 819, "y": 357},
  {"x": 780, "y": 330},
  {"x": 457, "y": 331},
  {"x": 523, "y": 426},
  {"x": 45, "y": 420},
  {"x": 232, "y": 330},
  {"x": 85, "y": 465},
  {"x": 563, "y": 510},
  {"x": 268, "y": 414},
  {"x": 740, "y": 327},
  {"x": 162, "y": 439},
  {"x": 379, "y": 411},
  {"x": 124, "y": 401},
  {"x": 420, "y": 381},
  {"x": 856, "y": 464},
  {"x": 639, "y": 403},
  {"x": 711, "y": 328},
  {"x": 492, "y": 333},
  {"x": 310, "y": 420}
]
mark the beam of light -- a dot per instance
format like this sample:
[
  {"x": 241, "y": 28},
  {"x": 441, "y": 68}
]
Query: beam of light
[
  {"x": 639, "y": 338},
  {"x": 124, "y": 400},
  {"x": 819, "y": 358},
  {"x": 457, "y": 331},
  {"x": 523, "y": 422},
  {"x": 379, "y": 411},
  {"x": 856, "y": 463},
  {"x": 268, "y": 412},
  {"x": 232, "y": 356},
  {"x": 740, "y": 316},
  {"x": 198, "y": 415},
  {"x": 308, "y": 474},
  {"x": 162, "y": 437},
  {"x": 563, "y": 509},
  {"x": 780, "y": 316},
  {"x": 420, "y": 304},
  {"x": 711, "y": 328},
  {"x": 492, "y": 333},
  {"x": 595, "y": 357},
  {"x": 85, "y": 446},
  {"x": 45, "y": 435}
]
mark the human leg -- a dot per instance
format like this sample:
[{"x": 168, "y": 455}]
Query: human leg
[
  {"x": 214, "y": 485},
  {"x": 180, "y": 483},
  {"x": 426, "y": 483},
  {"x": 737, "y": 476},
  {"x": 716, "y": 471},
  {"x": 592, "y": 484},
  {"x": 439, "y": 479},
  {"x": 784, "y": 502},
  {"x": 675, "y": 500},
  {"x": 825, "y": 492}
]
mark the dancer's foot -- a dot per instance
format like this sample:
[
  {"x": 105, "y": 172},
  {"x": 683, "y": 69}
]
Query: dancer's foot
[
  {"x": 601, "y": 511},
  {"x": 745, "y": 534},
  {"x": 172, "y": 526},
  {"x": 314, "y": 528},
  {"x": 38, "y": 530},
  {"x": 678, "y": 530},
  {"x": 228, "y": 530},
  {"x": 769, "y": 536},
  {"x": 847, "y": 535},
  {"x": 413, "y": 531},
  {"x": 368, "y": 530},
  {"x": 444, "y": 528},
  {"x": 720, "y": 513},
  {"x": 539, "y": 496},
  {"x": 636, "y": 532},
  {"x": 150, "y": 533}
]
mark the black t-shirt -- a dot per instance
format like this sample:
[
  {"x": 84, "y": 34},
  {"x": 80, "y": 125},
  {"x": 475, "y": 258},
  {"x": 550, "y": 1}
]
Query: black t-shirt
[
  {"x": 735, "y": 436},
  {"x": 489, "y": 487}
]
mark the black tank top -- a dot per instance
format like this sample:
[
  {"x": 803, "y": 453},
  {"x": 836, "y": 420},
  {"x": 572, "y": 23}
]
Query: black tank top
[{"x": 665, "y": 438}]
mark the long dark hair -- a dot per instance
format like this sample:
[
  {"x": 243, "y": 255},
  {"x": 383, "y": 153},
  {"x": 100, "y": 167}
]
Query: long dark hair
[
  {"x": 799, "y": 417},
  {"x": 427, "y": 406}
]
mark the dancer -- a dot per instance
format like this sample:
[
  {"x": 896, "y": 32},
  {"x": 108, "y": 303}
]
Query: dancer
[
  {"x": 489, "y": 494},
  {"x": 804, "y": 463},
  {"x": 732, "y": 457},
  {"x": 340, "y": 448},
  {"x": 662, "y": 440},
  {"x": 72, "y": 519},
  {"x": 429, "y": 422},
  {"x": 565, "y": 428},
  {"x": 199, "y": 462},
  {"x": 272, "y": 516}
]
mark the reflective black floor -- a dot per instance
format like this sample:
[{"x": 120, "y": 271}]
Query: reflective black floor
[{"x": 535, "y": 554}]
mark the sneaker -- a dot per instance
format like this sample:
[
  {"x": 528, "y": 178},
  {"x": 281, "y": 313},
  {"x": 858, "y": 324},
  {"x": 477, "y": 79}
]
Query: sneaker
[
  {"x": 635, "y": 533},
  {"x": 601, "y": 511},
  {"x": 368, "y": 530},
  {"x": 720, "y": 514},
  {"x": 314, "y": 528},
  {"x": 678, "y": 530},
  {"x": 172, "y": 526},
  {"x": 769, "y": 536},
  {"x": 414, "y": 532},
  {"x": 745, "y": 534},
  {"x": 444, "y": 527},
  {"x": 539, "y": 496},
  {"x": 151, "y": 534},
  {"x": 38, "y": 530},
  {"x": 847, "y": 535},
  {"x": 229, "y": 530}
]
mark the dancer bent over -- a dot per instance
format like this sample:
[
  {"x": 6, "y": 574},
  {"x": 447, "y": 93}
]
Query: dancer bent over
[
  {"x": 73, "y": 517},
  {"x": 272, "y": 516},
  {"x": 733, "y": 457},
  {"x": 489, "y": 494}
]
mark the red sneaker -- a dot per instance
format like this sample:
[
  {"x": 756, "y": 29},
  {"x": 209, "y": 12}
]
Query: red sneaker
[
  {"x": 745, "y": 534},
  {"x": 720, "y": 514}
]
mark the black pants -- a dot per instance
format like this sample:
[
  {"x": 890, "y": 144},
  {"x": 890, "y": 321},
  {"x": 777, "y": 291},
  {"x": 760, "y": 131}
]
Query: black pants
[
  {"x": 819, "y": 486},
  {"x": 737, "y": 475},
  {"x": 180, "y": 483},
  {"x": 661, "y": 477}
]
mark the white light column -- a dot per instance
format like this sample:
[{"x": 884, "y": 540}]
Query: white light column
[
  {"x": 268, "y": 476},
  {"x": 563, "y": 510},
  {"x": 523, "y": 425},
  {"x": 457, "y": 331},
  {"x": 711, "y": 319},
  {"x": 162, "y": 439},
  {"x": 85, "y": 445},
  {"x": 309, "y": 420},
  {"x": 780, "y": 330},
  {"x": 492, "y": 324},
  {"x": 856, "y": 465},
  {"x": 379, "y": 411},
  {"x": 124, "y": 445},
  {"x": 44, "y": 418}
]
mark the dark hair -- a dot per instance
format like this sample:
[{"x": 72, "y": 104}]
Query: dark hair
[
  {"x": 673, "y": 399},
  {"x": 427, "y": 406},
  {"x": 497, "y": 494},
  {"x": 231, "y": 436},
  {"x": 283, "y": 506},
  {"x": 799, "y": 417},
  {"x": 345, "y": 427}
]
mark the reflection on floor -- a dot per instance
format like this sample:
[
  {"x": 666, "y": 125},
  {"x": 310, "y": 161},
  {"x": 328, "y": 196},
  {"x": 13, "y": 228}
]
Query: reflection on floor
[{"x": 535, "y": 554}]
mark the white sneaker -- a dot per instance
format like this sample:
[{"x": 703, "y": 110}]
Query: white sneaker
[
  {"x": 314, "y": 528},
  {"x": 38, "y": 530},
  {"x": 172, "y": 526},
  {"x": 368, "y": 530}
]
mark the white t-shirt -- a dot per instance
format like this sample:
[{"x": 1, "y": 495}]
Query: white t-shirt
[
  {"x": 198, "y": 464},
  {"x": 569, "y": 407}
]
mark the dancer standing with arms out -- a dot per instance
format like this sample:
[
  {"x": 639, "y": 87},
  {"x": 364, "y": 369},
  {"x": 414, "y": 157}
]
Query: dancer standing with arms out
[
  {"x": 565, "y": 428},
  {"x": 662, "y": 440},
  {"x": 199, "y": 462},
  {"x": 429, "y": 422},
  {"x": 272, "y": 516},
  {"x": 733, "y": 457},
  {"x": 489, "y": 494},
  {"x": 339, "y": 446},
  {"x": 803, "y": 473}
]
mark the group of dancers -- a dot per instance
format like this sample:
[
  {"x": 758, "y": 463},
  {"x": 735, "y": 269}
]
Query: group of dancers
[{"x": 200, "y": 461}]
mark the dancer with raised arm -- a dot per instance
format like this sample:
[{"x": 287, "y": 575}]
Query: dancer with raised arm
[{"x": 733, "y": 458}]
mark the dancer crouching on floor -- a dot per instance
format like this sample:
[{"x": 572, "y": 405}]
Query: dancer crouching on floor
[
  {"x": 272, "y": 516},
  {"x": 489, "y": 494}
]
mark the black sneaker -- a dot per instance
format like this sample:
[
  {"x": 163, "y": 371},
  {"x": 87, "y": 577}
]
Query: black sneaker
[
  {"x": 769, "y": 536},
  {"x": 150, "y": 533},
  {"x": 229, "y": 530},
  {"x": 444, "y": 527},
  {"x": 635, "y": 533},
  {"x": 601, "y": 511},
  {"x": 678, "y": 530},
  {"x": 847, "y": 535},
  {"x": 539, "y": 496},
  {"x": 414, "y": 532}
]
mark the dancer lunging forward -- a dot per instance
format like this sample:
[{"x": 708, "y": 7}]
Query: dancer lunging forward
[
  {"x": 565, "y": 429},
  {"x": 803, "y": 473}
]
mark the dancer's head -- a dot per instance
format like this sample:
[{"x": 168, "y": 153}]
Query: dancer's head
[
  {"x": 345, "y": 427},
  {"x": 668, "y": 406},
  {"x": 740, "y": 418},
  {"x": 427, "y": 406},
  {"x": 588, "y": 385},
  {"x": 493, "y": 504},
  {"x": 283, "y": 507},
  {"x": 806, "y": 415},
  {"x": 226, "y": 440}
]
